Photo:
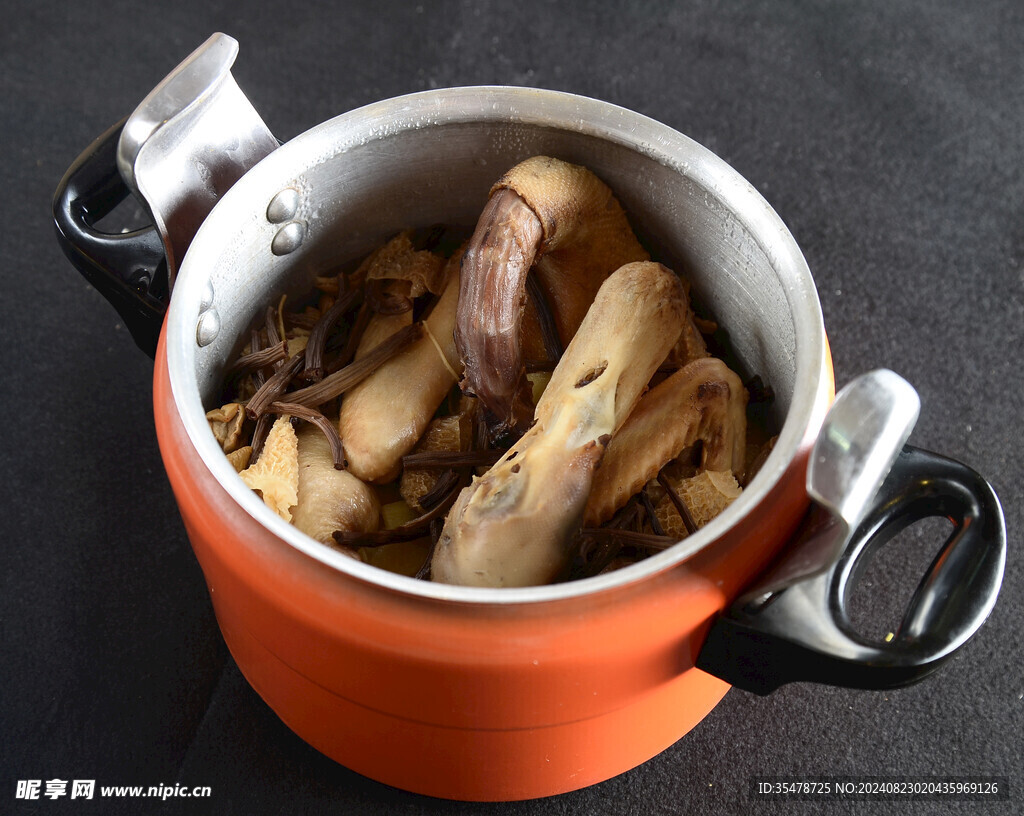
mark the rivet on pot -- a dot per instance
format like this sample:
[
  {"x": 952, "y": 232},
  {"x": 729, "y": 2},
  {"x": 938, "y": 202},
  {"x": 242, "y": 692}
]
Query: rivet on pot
[
  {"x": 288, "y": 238},
  {"x": 283, "y": 206},
  {"x": 206, "y": 301},
  {"x": 208, "y": 327}
]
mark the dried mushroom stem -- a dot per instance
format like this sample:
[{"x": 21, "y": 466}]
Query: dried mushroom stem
[
  {"x": 270, "y": 324},
  {"x": 257, "y": 378},
  {"x": 452, "y": 459},
  {"x": 593, "y": 555},
  {"x": 654, "y": 542},
  {"x": 259, "y": 435},
  {"x": 679, "y": 504},
  {"x": 304, "y": 322},
  {"x": 274, "y": 387},
  {"x": 255, "y": 360},
  {"x": 628, "y": 516},
  {"x": 451, "y": 433},
  {"x": 355, "y": 337},
  {"x": 441, "y": 490},
  {"x": 652, "y": 518},
  {"x": 514, "y": 525},
  {"x": 323, "y": 423},
  {"x": 355, "y": 372},
  {"x": 314, "y": 369},
  {"x": 598, "y": 548}
]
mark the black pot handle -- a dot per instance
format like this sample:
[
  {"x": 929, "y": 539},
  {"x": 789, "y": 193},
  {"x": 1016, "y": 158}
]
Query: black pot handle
[
  {"x": 803, "y": 632},
  {"x": 128, "y": 268}
]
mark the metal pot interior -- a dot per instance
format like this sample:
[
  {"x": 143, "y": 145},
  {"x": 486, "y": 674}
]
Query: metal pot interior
[{"x": 431, "y": 158}]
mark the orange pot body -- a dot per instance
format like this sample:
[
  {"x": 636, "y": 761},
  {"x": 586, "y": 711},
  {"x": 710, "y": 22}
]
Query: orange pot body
[{"x": 457, "y": 700}]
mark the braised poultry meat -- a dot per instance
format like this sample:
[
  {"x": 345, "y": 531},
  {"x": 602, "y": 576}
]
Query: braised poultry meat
[{"x": 536, "y": 404}]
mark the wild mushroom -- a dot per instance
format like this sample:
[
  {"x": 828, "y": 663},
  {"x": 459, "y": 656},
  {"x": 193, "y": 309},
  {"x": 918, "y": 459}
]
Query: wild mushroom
[
  {"x": 239, "y": 458},
  {"x": 512, "y": 526},
  {"x": 563, "y": 223},
  {"x": 226, "y": 423}
]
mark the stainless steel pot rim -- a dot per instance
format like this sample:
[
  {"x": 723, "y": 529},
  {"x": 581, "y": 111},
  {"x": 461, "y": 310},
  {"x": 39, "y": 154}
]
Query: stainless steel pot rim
[{"x": 527, "y": 106}]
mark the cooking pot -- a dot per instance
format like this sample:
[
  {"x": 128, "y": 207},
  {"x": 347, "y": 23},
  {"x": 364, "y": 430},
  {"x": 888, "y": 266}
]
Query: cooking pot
[{"x": 501, "y": 694}]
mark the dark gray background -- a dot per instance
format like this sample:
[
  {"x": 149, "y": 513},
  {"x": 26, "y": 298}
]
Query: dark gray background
[{"x": 888, "y": 136}]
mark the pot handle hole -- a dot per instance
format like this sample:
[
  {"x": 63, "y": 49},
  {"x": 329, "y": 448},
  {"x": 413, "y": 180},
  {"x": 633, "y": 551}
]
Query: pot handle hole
[
  {"x": 803, "y": 631},
  {"x": 126, "y": 266}
]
